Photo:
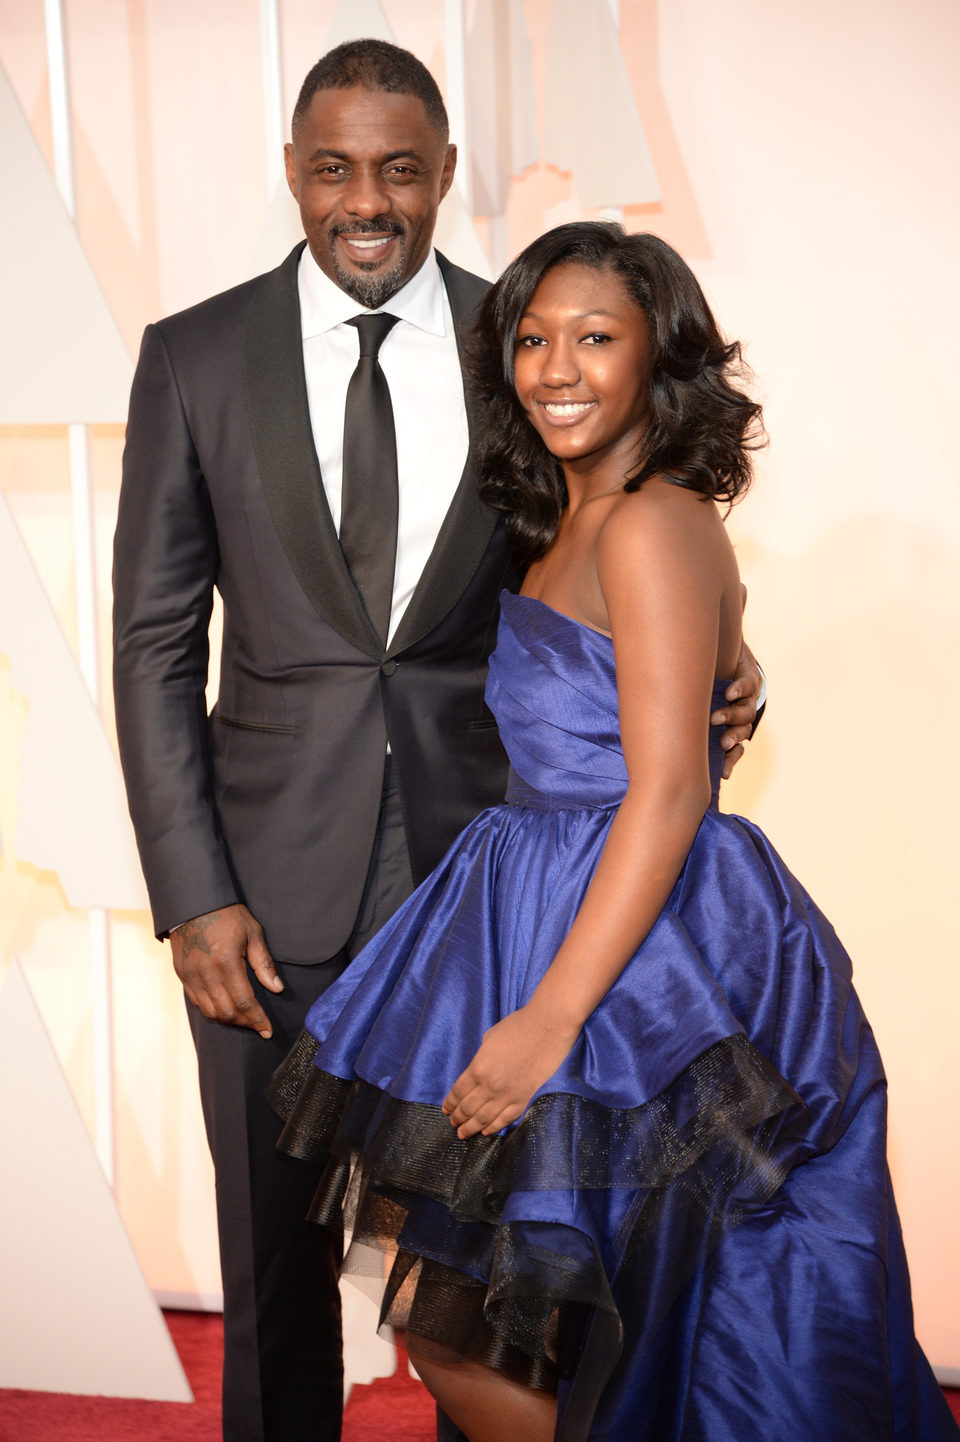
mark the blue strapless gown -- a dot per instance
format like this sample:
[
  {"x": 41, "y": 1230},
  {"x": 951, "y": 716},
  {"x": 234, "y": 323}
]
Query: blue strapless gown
[{"x": 691, "y": 1232}]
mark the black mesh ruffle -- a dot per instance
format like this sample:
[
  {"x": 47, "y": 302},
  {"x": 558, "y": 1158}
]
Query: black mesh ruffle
[{"x": 536, "y": 1299}]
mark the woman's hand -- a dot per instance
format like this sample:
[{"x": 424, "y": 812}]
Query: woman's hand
[{"x": 515, "y": 1058}]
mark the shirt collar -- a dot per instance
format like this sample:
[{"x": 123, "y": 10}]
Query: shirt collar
[{"x": 323, "y": 305}]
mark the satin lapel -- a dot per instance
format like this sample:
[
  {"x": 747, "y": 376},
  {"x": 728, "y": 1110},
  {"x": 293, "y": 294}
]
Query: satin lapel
[
  {"x": 276, "y": 391},
  {"x": 468, "y": 524}
]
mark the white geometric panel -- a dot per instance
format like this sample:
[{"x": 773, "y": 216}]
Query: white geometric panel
[
  {"x": 72, "y": 813},
  {"x": 76, "y": 1314},
  {"x": 366, "y": 1355},
  {"x": 356, "y": 20},
  {"x": 101, "y": 40},
  {"x": 501, "y": 115},
  {"x": 62, "y": 359},
  {"x": 457, "y": 238},
  {"x": 593, "y": 127},
  {"x": 281, "y": 231}
]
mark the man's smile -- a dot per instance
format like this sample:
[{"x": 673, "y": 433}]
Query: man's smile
[
  {"x": 377, "y": 244},
  {"x": 364, "y": 247}
]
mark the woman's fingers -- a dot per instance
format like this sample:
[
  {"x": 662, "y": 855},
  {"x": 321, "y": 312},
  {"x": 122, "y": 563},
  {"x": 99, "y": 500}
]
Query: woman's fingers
[
  {"x": 465, "y": 1106},
  {"x": 483, "y": 1118},
  {"x": 469, "y": 1128},
  {"x": 489, "y": 1117},
  {"x": 461, "y": 1088},
  {"x": 503, "y": 1119},
  {"x": 477, "y": 1109}
]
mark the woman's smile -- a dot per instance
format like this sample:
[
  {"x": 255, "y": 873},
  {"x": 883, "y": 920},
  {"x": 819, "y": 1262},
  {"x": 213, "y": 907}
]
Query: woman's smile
[{"x": 566, "y": 413}]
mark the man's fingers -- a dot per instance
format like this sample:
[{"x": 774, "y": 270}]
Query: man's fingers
[
  {"x": 730, "y": 760},
  {"x": 236, "y": 1004},
  {"x": 261, "y": 963},
  {"x": 248, "y": 1012},
  {"x": 735, "y": 713},
  {"x": 241, "y": 1005},
  {"x": 217, "y": 1004},
  {"x": 193, "y": 998},
  {"x": 734, "y": 736},
  {"x": 222, "y": 992},
  {"x": 210, "y": 954}
]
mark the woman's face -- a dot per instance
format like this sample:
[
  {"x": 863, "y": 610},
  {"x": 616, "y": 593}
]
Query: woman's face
[{"x": 582, "y": 366}]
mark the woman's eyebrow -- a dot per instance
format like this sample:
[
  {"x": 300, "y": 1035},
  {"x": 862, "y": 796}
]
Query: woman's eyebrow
[{"x": 581, "y": 315}]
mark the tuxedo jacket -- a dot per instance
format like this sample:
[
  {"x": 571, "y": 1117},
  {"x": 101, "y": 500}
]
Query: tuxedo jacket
[{"x": 273, "y": 799}]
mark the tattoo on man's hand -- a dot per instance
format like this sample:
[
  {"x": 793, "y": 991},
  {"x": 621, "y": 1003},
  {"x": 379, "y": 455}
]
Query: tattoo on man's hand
[{"x": 193, "y": 933}]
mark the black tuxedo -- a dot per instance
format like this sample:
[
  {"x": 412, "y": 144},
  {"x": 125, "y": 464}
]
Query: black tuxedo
[{"x": 274, "y": 799}]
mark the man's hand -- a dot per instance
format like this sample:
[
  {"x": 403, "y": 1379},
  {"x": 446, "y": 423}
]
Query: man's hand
[
  {"x": 515, "y": 1058},
  {"x": 740, "y": 712},
  {"x": 210, "y": 956}
]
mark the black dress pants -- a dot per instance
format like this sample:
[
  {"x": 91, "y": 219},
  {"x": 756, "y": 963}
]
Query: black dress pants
[
  {"x": 283, "y": 1373},
  {"x": 282, "y": 1370}
]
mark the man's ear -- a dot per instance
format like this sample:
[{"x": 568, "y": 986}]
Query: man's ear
[
  {"x": 291, "y": 169},
  {"x": 449, "y": 166}
]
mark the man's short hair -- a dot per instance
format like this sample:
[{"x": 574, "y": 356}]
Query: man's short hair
[{"x": 375, "y": 65}]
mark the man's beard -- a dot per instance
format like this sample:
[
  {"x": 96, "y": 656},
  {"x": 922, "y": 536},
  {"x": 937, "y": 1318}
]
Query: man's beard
[{"x": 370, "y": 289}]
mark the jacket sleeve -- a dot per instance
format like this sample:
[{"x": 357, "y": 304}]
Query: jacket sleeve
[{"x": 164, "y": 568}]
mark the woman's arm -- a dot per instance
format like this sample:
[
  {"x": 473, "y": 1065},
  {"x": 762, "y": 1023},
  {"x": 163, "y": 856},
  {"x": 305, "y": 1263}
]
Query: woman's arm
[{"x": 665, "y": 570}]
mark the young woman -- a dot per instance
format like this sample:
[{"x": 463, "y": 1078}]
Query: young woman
[{"x": 602, "y": 1088}]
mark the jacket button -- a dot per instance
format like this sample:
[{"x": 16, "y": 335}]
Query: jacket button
[{"x": 387, "y": 668}]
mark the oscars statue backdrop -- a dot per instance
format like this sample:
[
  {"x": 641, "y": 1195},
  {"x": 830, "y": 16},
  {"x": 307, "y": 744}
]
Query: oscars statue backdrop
[{"x": 804, "y": 159}]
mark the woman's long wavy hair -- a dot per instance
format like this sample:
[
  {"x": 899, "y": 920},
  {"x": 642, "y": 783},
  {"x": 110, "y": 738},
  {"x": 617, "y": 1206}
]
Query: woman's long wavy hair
[{"x": 702, "y": 428}]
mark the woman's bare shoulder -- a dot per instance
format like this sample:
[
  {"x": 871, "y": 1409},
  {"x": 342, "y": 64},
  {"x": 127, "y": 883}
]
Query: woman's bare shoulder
[{"x": 662, "y": 517}]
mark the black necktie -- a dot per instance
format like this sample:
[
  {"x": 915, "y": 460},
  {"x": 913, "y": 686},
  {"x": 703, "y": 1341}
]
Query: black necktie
[{"x": 370, "y": 500}]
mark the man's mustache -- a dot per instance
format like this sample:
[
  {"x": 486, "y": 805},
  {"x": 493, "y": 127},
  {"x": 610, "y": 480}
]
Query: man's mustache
[{"x": 367, "y": 227}]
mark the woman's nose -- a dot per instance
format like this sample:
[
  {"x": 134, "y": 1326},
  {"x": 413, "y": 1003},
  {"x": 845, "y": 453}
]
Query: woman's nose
[{"x": 560, "y": 367}]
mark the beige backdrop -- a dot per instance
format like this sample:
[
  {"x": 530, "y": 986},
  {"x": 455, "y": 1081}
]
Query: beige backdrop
[{"x": 804, "y": 158}]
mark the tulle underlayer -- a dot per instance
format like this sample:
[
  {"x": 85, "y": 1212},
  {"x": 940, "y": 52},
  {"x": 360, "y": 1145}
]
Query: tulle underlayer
[{"x": 518, "y": 1250}]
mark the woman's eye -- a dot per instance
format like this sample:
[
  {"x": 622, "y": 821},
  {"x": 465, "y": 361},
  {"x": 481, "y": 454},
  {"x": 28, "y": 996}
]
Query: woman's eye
[
  {"x": 597, "y": 337},
  {"x": 530, "y": 340}
]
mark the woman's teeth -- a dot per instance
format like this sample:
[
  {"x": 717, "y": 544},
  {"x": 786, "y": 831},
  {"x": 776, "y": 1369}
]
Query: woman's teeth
[{"x": 562, "y": 409}]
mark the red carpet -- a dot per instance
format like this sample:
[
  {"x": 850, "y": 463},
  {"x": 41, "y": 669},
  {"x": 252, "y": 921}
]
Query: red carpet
[{"x": 392, "y": 1409}]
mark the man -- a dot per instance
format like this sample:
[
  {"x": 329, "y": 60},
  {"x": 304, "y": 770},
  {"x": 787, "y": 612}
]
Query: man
[{"x": 319, "y": 473}]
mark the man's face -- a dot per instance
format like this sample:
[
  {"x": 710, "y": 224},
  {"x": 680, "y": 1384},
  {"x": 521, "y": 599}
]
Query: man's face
[{"x": 368, "y": 170}]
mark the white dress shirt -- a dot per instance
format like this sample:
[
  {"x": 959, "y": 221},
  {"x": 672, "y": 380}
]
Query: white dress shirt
[{"x": 421, "y": 363}]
